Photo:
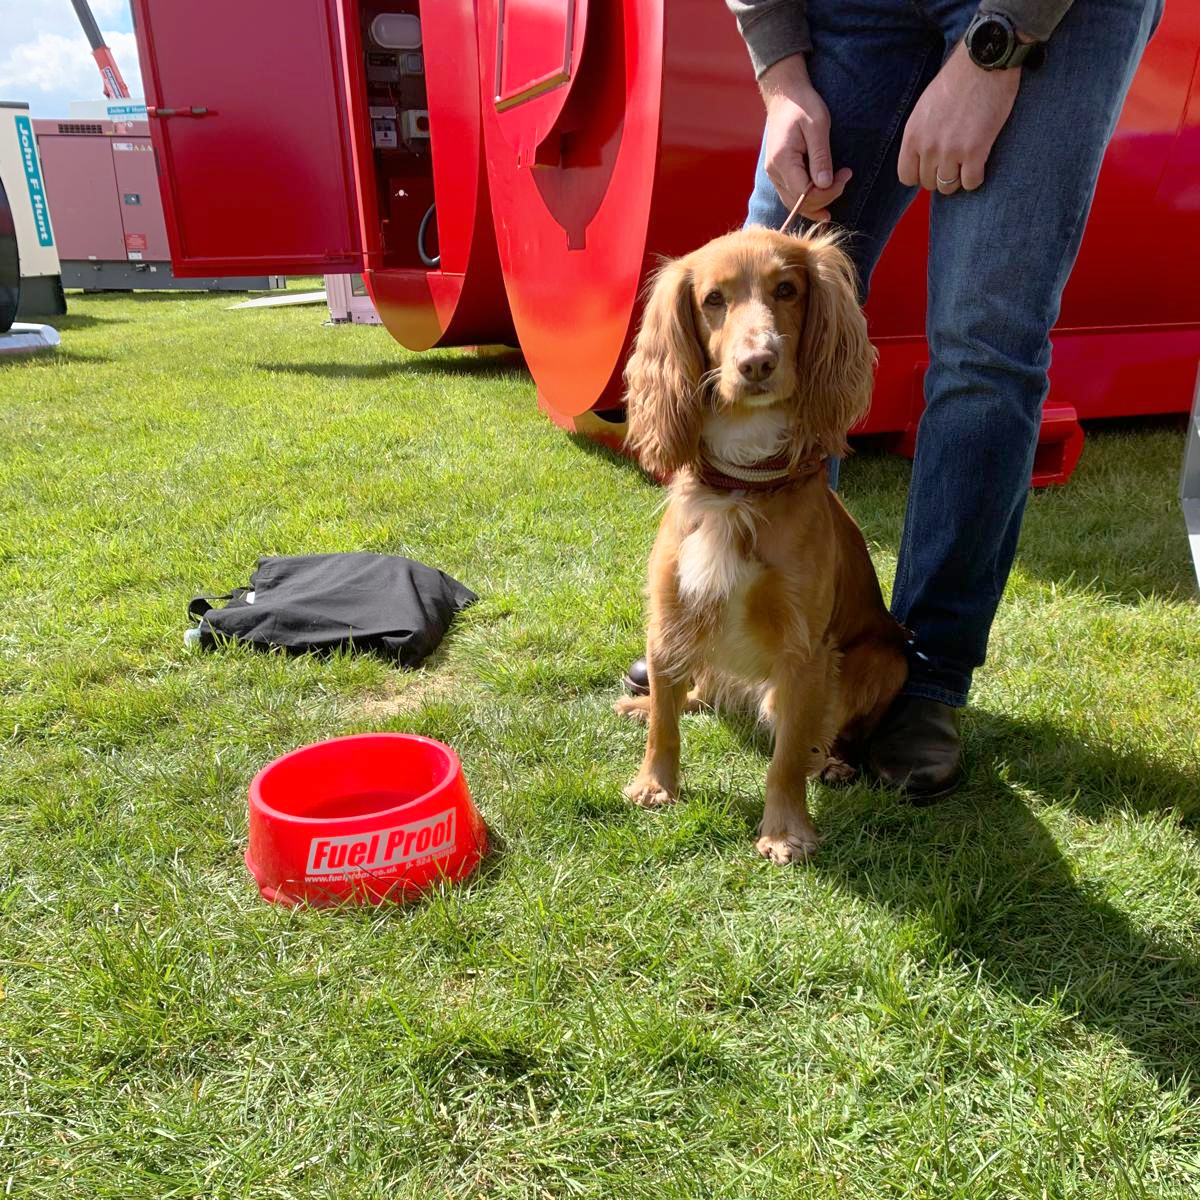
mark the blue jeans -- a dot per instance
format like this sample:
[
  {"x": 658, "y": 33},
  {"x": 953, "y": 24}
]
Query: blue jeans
[{"x": 999, "y": 258}]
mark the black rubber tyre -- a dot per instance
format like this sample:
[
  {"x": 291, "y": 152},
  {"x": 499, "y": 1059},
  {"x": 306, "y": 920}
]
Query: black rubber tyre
[{"x": 10, "y": 265}]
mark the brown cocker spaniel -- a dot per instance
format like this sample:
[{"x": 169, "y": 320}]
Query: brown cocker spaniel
[{"x": 751, "y": 364}]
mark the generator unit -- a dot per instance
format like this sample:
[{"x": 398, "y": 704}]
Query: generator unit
[{"x": 40, "y": 288}]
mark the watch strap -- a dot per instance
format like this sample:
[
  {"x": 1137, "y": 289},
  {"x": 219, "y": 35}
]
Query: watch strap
[{"x": 1030, "y": 55}]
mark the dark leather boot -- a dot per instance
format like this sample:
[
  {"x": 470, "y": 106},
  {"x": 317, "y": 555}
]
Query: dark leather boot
[
  {"x": 637, "y": 678},
  {"x": 916, "y": 749}
]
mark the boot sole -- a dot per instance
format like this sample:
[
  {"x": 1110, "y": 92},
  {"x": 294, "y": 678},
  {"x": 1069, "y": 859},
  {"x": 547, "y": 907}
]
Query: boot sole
[{"x": 918, "y": 798}]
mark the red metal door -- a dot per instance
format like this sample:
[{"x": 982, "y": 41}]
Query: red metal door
[{"x": 250, "y": 127}]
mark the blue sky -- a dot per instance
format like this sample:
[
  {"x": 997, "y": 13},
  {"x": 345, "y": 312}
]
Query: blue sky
[{"x": 45, "y": 60}]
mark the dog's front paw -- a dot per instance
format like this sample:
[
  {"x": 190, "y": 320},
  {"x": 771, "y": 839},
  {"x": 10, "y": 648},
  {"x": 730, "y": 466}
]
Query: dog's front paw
[
  {"x": 647, "y": 792},
  {"x": 635, "y": 708},
  {"x": 795, "y": 844}
]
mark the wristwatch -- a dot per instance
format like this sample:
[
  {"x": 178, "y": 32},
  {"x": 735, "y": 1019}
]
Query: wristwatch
[{"x": 992, "y": 43}]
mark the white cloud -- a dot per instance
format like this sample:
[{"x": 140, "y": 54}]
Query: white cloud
[
  {"x": 46, "y": 60},
  {"x": 112, "y": 12}
]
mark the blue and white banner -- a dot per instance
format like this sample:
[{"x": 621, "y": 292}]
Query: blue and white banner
[
  {"x": 126, "y": 112},
  {"x": 33, "y": 177}
]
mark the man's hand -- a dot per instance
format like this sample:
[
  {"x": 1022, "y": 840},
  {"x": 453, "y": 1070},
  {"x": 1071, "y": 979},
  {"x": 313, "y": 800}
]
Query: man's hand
[
  {"x": 955, "y": 123},
  {"x": 798, "y": 157}
]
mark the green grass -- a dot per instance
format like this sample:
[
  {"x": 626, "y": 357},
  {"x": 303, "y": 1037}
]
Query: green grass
[{"x": 996, "y": 997}]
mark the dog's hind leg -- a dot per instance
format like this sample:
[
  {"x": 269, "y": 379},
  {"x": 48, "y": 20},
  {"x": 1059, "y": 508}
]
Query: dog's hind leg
[{"x": 871, "y": 675}]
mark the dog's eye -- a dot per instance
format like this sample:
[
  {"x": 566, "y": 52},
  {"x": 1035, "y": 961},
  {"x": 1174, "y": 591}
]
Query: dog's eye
[
  {"x": 785, "y": 291},
  {"x": 714, "y": 299}
]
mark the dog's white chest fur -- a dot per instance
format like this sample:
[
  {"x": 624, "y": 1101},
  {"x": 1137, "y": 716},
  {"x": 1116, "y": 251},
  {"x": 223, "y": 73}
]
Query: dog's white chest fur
[{"x": 715, "y": 557}]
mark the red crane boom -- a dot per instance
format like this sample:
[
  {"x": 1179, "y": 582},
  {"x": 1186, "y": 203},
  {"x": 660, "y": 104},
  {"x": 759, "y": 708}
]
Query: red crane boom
[{"x": 114, "y": 86}]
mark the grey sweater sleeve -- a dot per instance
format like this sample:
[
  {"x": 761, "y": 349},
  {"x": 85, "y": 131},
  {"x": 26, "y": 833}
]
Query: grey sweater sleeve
[
  {"x": 1037, "y": 18},
  {"x": 775, "y": 29},
  {"x": 771, "y": 29}
]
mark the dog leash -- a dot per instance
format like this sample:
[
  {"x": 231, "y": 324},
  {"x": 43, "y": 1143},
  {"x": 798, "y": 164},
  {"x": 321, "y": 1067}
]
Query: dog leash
[{"x": 795, "y": 209}]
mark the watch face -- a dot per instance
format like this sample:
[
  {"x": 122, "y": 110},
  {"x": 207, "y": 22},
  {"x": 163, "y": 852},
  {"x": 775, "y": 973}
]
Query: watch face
[{"x": 989, "y": 43}]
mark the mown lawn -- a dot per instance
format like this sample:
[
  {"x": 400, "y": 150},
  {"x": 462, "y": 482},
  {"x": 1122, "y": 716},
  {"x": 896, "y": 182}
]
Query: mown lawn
[{"x": 996, "y": 997}]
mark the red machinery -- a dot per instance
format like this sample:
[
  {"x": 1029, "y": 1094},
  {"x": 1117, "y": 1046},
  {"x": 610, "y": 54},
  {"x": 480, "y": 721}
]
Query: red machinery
[
  {"x": 312, "y": 151},
  {"x": 114, "y": 84},
  {"x": 560, "y": 147}
]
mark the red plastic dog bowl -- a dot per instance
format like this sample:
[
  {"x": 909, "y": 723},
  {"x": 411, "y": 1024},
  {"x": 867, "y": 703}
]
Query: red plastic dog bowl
[{"x": 361, "y": 819}]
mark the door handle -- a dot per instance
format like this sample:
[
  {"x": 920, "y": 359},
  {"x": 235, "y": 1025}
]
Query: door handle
[{"x": 197, "y": 110}]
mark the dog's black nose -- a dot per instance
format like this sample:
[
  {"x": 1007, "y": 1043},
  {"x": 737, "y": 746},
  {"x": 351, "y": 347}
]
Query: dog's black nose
[{"x": 757, "y": 365}]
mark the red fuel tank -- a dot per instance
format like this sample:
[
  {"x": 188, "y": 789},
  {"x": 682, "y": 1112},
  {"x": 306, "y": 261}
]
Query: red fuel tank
[
  {"x": 619, "y": 133},
  {"x": 477, "y": 158}
]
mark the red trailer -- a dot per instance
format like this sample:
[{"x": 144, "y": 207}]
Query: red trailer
[
  {"x": 511, "y": 170},
  {"x": 311, "y": 151}
]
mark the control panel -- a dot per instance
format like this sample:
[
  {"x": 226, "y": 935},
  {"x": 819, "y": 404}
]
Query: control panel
[{"x": 394, "y": 73}]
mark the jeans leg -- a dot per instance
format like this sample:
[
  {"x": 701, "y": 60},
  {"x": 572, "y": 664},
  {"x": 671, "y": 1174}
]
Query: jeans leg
[
  {"x": 766, "y": 208},
  {"x": 870, "y": 61},
  {"x": 999, "y": 260}
]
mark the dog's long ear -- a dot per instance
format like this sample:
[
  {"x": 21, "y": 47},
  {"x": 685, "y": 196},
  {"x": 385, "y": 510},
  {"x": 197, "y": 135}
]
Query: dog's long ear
[
  {"x": 835, "y": 361},
  {"x": 663, "y": 375}
]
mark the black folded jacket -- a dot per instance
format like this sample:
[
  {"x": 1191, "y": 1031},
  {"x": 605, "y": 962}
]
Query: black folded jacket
[{"x": 381, "y": 603}]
